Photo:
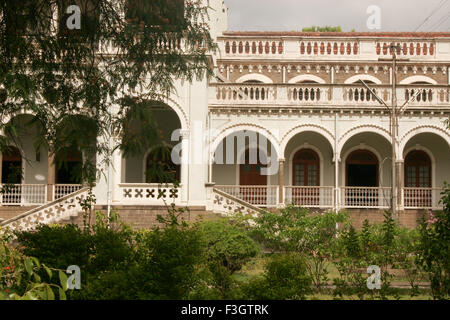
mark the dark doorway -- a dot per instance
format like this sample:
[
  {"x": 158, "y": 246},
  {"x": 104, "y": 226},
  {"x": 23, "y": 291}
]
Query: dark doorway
[
  {"x": 11, "y": 176},
  {"x": 12, "y": 166},
  {"x": 362, "y": 175},
  {"x": 362, "y": 179},
  {"x": 69, "y": 166},
  {"x": 362, "y": 169}
]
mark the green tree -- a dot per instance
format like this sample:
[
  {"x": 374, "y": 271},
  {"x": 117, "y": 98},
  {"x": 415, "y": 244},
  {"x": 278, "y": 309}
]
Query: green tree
[
  {"x": 434, "y": 248},
  {"x": 296, "y": 230},
  {"x": 54, "y": 72},
  {"x": 229, "y": 248},
  {"x": 322, "y": 29}
]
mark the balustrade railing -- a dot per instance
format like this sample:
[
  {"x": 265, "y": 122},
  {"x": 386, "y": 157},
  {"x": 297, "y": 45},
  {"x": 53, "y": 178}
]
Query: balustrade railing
[
  {"x": 61, "y": 190},
  {"x": 345, "y": 95},
  {"x": 422, "y": 198},
  {"x": 261, "y": 196},
  {"x": 365, "y": 197},
  {"x": 23, "y": 194},
  {"x": 149, "y": 193},
  {"x": 320, "y": 197},
  {"x": 312, "y": 46}
]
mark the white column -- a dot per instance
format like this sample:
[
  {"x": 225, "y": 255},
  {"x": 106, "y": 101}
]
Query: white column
[
  {"x": 116, "y": 175},
  {"x": 184, "y": 166},
  {"x": 51, "y": 177},
  {"x": 337, "y": 159},
  {"x": 101, "y": 185},
  {"x": 280, "y": 182}
]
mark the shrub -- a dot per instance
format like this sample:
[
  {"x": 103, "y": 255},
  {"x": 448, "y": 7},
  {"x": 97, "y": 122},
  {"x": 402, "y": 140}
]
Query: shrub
[
  {"x": 229, "y": 248},
  {"x": 20, "y": 277},
  {"x": 296, "y": 230},
  {"x": 285, "y": 278},
  {"x": 434, "y": 248},
  {"x": 169, "y": 260}
]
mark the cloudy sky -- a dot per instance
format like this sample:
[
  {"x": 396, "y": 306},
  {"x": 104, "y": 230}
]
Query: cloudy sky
[{"x": 293, "y": 15}]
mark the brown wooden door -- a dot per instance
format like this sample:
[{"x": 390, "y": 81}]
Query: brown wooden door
[
  {"x": 418, "y": 175},
  {"x": 306, "y": 173},
  {"x": 250, "y": 175}
]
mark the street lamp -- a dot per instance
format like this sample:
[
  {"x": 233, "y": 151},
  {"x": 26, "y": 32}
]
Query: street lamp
[{"x": 393, "y": 119}]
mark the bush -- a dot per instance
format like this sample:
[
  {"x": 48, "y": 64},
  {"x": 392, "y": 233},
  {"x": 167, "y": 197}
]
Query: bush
[
  {"x": 229, "y": 248},
  {"x": 58, "y": 246},
  {"x": 434, "y": 249},
  {"x": 285, "y": 278},
  {"x": 20, "y": 277},
  {"x": 296, "y": 230},
  {"x": 169, "y": 260}
]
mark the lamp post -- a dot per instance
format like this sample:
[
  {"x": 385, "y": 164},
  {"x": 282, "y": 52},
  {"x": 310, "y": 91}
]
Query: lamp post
[{"x": 394, "y": 112}]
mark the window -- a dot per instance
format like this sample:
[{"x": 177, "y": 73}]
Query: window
[
  {"x": 417, "y": 170},
  {"x": 306, "y": 168},
  {"x": 11, "y": 166}
]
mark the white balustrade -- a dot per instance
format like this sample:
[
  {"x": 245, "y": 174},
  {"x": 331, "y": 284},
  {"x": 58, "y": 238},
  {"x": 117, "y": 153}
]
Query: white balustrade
[
  {"x": 245, "y": 93},
  {"x": 260, "y": 196},
  {"x": 365, "y": 197},
  {"x": 314, "y": 197},
  {"x": 149, "y": 194},
  {"x": 61, "y": 190},
  {"x": 311, "y": 46},
  {"x": 338, "y": 95},
  {"x": 23, "y": 194},
  {"x": 421, "y": 198}
]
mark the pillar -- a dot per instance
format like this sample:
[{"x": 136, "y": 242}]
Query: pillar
[
  {"x": 281, "y": 181},
  {"x": 51, "y": 171},
  {"x": 184, "y": 174},
  {"x": 400, "y": 179},
  {"x": 337, "y": 159},
  {"x": 116, "y": 174}
]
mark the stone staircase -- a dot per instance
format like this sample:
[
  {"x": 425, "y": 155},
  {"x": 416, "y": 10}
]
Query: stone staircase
[
  {"x": 67, "y": 210},
  {"x": 228, "y": 205},
  {"x": 60, "y": 210}
]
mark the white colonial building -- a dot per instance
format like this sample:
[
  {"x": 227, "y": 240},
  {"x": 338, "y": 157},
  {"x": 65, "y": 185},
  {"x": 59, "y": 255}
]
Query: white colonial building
[{"x": 285, "y": 121}]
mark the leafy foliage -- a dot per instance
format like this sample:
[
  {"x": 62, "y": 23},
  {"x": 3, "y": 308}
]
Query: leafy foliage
[
  {"x": 285, "y": 277},
  {"x": 434, "y": 249},
  {"x": 229, "y": 248},
  {"x": 23, "y": 277},
  {"x": 322, "y": 29},
  {"x": 111, "y": 63},
  {"x": 295, "y": 230}
]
